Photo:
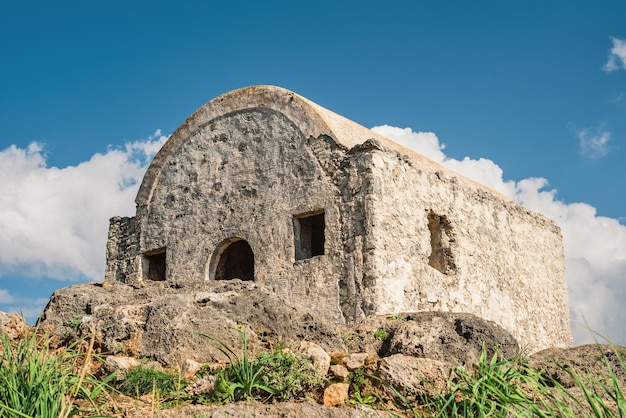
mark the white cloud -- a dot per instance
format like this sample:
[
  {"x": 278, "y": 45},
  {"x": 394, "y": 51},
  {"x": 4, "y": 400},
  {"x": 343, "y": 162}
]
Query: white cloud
[
  {"x": 594, "y": 142},
  {"x": 617, "y": 57},
  {"x": 54, "y": 221},
  {"x": 595, "y": 246},
  {"x": 5, "y": 297}
]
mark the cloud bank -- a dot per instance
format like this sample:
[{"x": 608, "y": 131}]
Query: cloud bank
[
  {"x": 54, "y": 222},
  {"x": 595, "y": 246}
]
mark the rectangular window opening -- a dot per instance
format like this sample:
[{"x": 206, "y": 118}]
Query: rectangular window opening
[
  {"x": 156, "y": 265},
  {"x": 441, "y": 242},
  {"x": 309, "y": 235}
]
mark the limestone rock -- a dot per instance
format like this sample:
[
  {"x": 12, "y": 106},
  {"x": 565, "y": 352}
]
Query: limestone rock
[
  {"x": 339, "y": 372},
  {"x": 411, "y": 375},
  {"x": 119, "y": 365},
  {"x": 12, "y": 325},
  {"x": 336, "y": 394},
  {"x": 591, "y": 359},
  {"x": 443, "y": 336},
  {"x": 355, "y": 361},
  {"x": 189, "y": 368},
  {"x": 164, "y": 320},
  {"x": 317, "y": 355}
]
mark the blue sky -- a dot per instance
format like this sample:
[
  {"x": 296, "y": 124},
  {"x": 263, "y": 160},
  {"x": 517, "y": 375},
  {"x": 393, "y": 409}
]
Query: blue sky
[{"x": 524, "y": 90}]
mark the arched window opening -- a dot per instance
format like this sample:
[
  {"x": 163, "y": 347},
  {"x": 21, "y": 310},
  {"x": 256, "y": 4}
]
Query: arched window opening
[
  {"x": 233, "y": 259},
  {"x": 441, "y": 242}
]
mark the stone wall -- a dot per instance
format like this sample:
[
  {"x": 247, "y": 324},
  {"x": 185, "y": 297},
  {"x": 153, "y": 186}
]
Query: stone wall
[{"x": 442, "y": 246}]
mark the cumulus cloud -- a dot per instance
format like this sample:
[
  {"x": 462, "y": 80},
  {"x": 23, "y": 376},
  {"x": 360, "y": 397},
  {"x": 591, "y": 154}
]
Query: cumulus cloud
[
  {"x": 54, "y": 221},
  {"x": 594, "y": 142},
  {"x": 595, "y": 246},
  {"x": 617, "y": 56},
  {"x": 5, "y": 297}
]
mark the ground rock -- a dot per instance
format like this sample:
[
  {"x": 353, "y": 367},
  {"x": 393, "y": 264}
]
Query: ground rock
[
  {"x": 355, "y": 361},
  {"x": 339, "y": 372},
  {"x": 163, "y": 320},
  {"x": 189, "y": 368},
  {"x": 119, "y": 365},
  {"x": 411, "y": 375},
  {"x": 251, "y": 409},
  {"x": 12, "y": 325},
  {"x": 317, "y": 355},
  {"x": 592, "y": 360},
  {"x": 336, "y": 394},
  {"x": 444, "y": 336}
]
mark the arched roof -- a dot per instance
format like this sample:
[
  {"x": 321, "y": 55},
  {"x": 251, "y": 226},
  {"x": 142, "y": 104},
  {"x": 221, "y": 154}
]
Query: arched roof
[{"x": 312, "y": 119}]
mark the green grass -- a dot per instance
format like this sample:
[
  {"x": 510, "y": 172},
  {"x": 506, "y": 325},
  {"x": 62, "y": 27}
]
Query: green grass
[
  {"x": 143, "y": 380},
  {"x": 37, "y": 382},
  {"x": 280, "y": 375}
]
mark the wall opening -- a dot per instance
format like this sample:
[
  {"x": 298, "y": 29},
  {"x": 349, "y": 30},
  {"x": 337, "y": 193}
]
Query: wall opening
[
  {"x": 309, "y": 235},
  {"x": 233, "y": 259},
  {"x": 441, "y": 243},
  {"x": 156, "y": 265}
]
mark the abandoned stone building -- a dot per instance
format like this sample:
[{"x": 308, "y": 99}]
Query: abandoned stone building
[{"x": 262, "y": 184}]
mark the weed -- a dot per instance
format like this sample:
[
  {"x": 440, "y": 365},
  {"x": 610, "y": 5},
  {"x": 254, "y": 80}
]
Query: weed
[
  {"x": 144, "y": 380},
  {"x": 242, "y": 378},
  {"x": 360, "y": 382},
  {"x": 114, "y": 347},
  {"x": 291, "y": 375},
  {"x": 368, "y": 399},
  {"x": 381, "y": 334},
  {"x": 74, "y": 323}
]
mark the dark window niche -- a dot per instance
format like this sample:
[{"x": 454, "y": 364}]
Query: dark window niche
[
  {"x": 441, "y": 243},
  {"x": 156, "y": 265},
  {"x": 309, "y": 235}
]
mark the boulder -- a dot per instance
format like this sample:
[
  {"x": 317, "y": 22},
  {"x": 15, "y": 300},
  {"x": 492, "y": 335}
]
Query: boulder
[
  {"x": 317, "y": 355},
  {"x": 413, "y": 376},
  {"x": 598, "y": 361},
  {"x": 339, "y": 372},
  {"x": 443, "y": 336},
  {"x": 119, "y": 365}
]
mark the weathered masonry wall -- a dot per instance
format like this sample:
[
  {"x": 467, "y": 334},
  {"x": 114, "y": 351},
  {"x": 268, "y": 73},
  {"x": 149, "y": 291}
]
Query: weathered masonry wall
[
  {"x": 438, "y": 246},
  {"x": 249, "y": 175}
]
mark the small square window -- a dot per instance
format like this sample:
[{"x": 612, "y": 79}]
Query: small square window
[
  {"x": 309, "y": 235},
  {"x": 156, "y": 265}
]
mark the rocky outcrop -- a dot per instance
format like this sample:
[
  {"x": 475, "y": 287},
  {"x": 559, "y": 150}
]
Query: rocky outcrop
[{"x": 166, "y": 322}]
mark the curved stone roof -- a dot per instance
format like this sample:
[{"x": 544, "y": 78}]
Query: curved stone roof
[{"x": 312, "y": 119}]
